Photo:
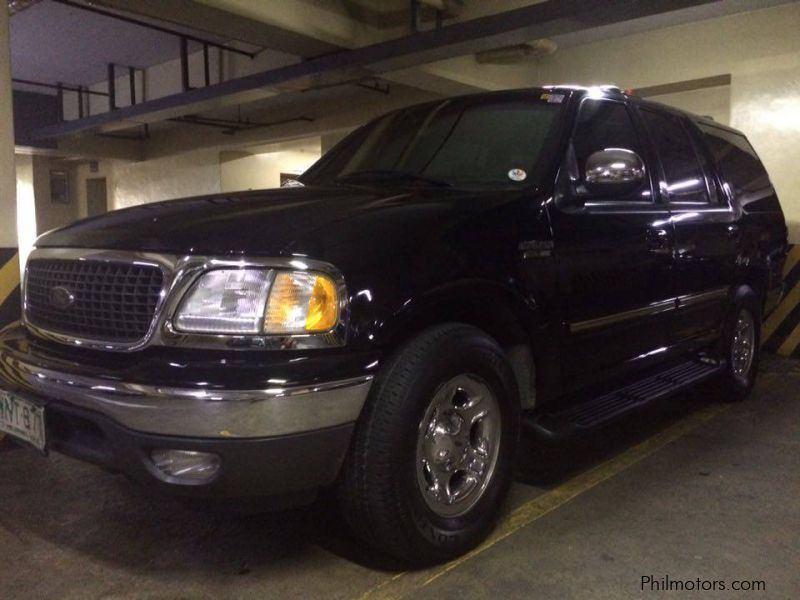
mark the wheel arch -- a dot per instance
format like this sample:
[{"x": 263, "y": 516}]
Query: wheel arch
[{"x": 500, "y": 312}]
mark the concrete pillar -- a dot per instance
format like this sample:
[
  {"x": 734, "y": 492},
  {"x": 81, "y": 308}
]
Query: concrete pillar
[
  {"x": 8, "y": 194},
  {"x": 9, "y": 264}
]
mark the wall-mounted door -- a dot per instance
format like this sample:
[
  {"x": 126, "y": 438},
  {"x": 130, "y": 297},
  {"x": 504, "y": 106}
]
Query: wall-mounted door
[{"x": 96, "y": 196}]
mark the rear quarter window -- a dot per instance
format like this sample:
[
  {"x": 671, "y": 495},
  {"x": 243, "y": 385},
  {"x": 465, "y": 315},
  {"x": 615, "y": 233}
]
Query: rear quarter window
[{"x": 737, "y": 159}]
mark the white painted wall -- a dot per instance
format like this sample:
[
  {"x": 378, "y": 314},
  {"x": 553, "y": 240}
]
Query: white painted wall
[
  {"x": 190, "y": 174},
  {"x": 26, "y": 206},
  {"x": 761, "y": 52},
  {"x": 242, "y": 171},
  {"x": 711, "y": 102},
  {"x": 201, "y": 172}
]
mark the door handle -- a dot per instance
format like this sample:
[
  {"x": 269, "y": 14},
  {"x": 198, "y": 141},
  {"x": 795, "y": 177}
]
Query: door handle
[{"x": 658, "y": 241}]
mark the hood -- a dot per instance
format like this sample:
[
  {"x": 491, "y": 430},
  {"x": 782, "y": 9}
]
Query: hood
[{"x": 313, "y": 221}]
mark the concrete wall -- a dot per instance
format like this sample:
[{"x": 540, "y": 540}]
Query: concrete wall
[
  {"x": 761, "y": 52},
  {"x": 190, "y": 174},
  {"x": 713, "y": 102},
  {"x": 26, "y": 206},
  {"x": 49, "y": 214},
  {"x": 206, "y": 171},
  {"x": 244, "y": 171}
]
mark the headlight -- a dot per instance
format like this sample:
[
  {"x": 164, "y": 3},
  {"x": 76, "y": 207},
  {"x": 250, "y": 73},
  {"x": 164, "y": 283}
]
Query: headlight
[{"x": 259, "y": 301}]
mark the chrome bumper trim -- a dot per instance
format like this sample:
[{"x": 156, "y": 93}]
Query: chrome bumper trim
[{"x": 197, "y": 412}]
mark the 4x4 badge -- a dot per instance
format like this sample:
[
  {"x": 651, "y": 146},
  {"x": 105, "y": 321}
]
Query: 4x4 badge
[{"x": 536, "y": 248}]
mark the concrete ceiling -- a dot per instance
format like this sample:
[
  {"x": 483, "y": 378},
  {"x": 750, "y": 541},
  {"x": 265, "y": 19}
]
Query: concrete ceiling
[
  {"x": 53, "y": 42},
  {"x": 341, "y": 41},
  {"x": 662, "y": 21},
  {"x": 458, "y": 39}
]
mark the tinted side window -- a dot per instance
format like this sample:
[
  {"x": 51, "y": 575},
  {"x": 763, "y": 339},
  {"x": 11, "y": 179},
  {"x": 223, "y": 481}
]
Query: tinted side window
[
  {"x": 684, "y": 176},
  {"x": 604, "y": 124},
  {"x": 735, "y": 156}
]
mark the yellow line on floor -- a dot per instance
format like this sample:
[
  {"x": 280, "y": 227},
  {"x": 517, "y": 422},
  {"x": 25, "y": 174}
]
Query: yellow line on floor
[
  {"x": 791, "y": 260},
  {"x": 9, "y": 277},
  {"x": 406, "y": 583},
  {"x": 791, "y": 343},
  {"x": 778, "y": 315}
]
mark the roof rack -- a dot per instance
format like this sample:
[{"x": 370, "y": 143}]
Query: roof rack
[{"x": 605, "y": 88}]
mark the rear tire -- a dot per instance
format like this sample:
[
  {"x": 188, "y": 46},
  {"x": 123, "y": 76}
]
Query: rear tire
[
  {"x": 432, "y": 455},
  {"x": 741, "y": 349}
]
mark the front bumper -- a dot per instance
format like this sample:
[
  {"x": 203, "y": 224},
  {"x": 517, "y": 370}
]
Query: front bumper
[
  {"x": 279, "y": 439},
  {"x": 287, "y": 468},
  {"x": 195, "y": 411}
]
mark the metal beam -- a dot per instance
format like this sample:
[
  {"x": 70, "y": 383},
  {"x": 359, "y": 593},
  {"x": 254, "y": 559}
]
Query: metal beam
[
  {"x": 112, "y": 88},
  {"x": 206, "y": 66},
  {"x": 185, "y": 65},
  {"x": 547, "y": 19},
  {"x": 57, "y": 86},
  {"x": 132, "y": 83}
]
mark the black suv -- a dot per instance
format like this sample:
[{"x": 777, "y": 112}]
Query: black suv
[{"x": 447, "y": 276}]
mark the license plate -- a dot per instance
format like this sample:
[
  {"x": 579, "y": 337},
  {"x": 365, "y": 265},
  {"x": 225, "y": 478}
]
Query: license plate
[{"x": 22, "y": 419}]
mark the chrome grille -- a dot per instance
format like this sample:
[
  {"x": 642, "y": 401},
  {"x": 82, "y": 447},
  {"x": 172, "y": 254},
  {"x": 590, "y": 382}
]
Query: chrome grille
[{"x": 113, "y": 302}]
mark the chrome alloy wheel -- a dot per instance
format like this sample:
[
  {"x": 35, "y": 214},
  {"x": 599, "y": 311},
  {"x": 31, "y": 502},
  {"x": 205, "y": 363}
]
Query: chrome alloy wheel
[
  {"x": 457, "y": 445},
  {"x": 743, "y": 345}
]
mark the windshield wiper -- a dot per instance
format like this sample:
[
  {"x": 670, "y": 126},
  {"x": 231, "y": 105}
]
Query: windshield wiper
[{"x": 395, "y": 175}]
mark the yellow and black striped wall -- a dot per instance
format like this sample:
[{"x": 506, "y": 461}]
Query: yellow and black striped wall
[
  {"x": 781, "y": 331},
  {"x": 9, "y": 286},
  {"x": 10, "y": 305}
]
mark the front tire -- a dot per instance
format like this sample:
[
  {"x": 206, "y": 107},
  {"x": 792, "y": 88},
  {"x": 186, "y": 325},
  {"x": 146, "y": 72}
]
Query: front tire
[{"x": 432, "y": 455}]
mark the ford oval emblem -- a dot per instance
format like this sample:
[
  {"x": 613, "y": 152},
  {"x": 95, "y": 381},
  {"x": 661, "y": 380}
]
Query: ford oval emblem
[{"x": 61, "y": 298}]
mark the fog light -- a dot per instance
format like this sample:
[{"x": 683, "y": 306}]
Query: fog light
[{"x": 185, "y": 467}]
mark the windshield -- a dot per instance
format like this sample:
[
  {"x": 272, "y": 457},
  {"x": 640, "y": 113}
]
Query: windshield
[{"x": 479, "y": 142}]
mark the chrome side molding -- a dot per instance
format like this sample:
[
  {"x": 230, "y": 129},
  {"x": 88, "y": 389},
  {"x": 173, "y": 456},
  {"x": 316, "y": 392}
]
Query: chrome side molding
[{"x": 666, "y": 305}]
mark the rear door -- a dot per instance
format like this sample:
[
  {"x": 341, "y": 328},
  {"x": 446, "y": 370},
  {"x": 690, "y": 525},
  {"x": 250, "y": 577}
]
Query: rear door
[
  {"x": 614, "y": 257},
  {"x": 707, "y": 233}
]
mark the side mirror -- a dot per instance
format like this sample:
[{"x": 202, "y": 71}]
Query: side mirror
[{"x": 614, "y": 172}]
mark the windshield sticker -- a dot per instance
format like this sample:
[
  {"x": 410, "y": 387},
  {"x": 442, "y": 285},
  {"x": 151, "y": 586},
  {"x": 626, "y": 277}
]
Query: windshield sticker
[
  {"x": 553, "y": 98},
  {"x": 517, "y": 175}
]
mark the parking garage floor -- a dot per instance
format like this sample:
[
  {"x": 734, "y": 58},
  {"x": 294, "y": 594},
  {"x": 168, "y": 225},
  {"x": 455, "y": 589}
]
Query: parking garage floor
[{"x": 690, "y": 490}]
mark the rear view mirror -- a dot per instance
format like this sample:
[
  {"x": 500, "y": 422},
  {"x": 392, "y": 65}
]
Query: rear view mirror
[{"x": 614, "y": 172}]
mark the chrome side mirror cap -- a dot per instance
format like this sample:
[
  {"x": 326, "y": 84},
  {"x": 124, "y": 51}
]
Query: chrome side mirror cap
[{"x": 614, "y": 172}]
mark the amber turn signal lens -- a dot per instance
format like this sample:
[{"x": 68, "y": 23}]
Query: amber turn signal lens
[
  {"x": 322, "y": 307},
  {"x": 301, "y": 302}
]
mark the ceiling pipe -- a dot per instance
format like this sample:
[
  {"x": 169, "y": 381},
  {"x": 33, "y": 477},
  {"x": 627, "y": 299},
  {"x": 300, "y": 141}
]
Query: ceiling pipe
[{"x": 511, "y": 55}]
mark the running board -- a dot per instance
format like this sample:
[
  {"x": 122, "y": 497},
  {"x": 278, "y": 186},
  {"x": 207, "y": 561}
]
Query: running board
[{"x": 601, "y": 410}]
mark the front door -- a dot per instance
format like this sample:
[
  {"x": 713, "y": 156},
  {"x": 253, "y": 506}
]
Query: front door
[{"x": 614, "y": 258}]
